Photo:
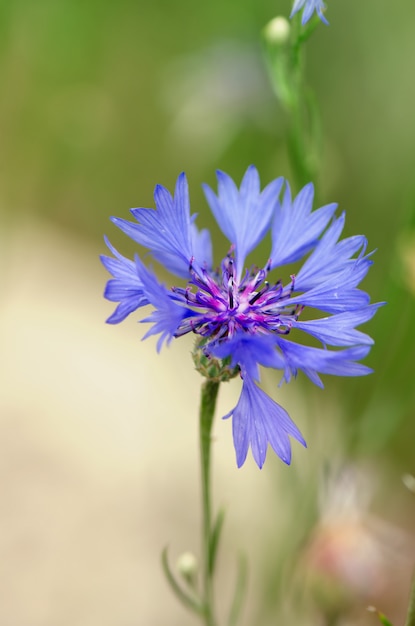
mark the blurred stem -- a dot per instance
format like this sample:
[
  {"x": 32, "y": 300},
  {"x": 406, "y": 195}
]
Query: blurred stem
[
  {"x": 285, "y": 62},
  {"x": 410, "y": 618},
  {"x": 299, "y": 156},
  {"x": 207, "y": 410},
  {"x": 303, "y": 112}
]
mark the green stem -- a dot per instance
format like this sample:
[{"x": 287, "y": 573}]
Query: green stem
[
  {"x": 305, "y": 143},
  {"x": 410, "y": 618},
  {"x": 298, "y": 149},
  {"x": 207, "y": 411},
  {"x": 286, "y": 64}
]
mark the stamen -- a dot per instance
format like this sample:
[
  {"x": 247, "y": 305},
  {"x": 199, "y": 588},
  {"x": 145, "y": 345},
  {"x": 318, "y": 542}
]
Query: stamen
[
  {"x": 260, "y": 293},
  {"x": 230, "y": 291},
  {"x": 292, "y": 276},
  {"x": 223, "y": 307}
]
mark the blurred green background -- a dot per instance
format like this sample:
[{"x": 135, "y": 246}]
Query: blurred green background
[{"x": 102, "y": 100}]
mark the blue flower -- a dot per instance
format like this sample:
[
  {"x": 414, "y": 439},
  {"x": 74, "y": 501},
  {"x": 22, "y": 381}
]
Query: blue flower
[
  {"x": 309, "y": 7},
  {"x": 244, "y": 315}
]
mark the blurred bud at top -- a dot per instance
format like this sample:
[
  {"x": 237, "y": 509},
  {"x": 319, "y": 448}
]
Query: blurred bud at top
[
  {"x": 309, "y": 7},
  {"x": 277, "y": 31},
  {"x": 277, "y": 48}
]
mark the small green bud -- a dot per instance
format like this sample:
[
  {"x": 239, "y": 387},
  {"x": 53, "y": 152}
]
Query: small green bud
[
  {"x": 279, "y": 56},
  {"x": 277, "y": 31},
  {"x": 215, "y": 369},
  {"x": 187, "y": 567}
]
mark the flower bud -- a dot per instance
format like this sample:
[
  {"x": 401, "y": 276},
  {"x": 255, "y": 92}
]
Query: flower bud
[
  {"x": 216, "y": 369},
  {"x": 278, "y": 50},
  {"x": 187, "y": 567},
  {"x": 277, "y": 31}
]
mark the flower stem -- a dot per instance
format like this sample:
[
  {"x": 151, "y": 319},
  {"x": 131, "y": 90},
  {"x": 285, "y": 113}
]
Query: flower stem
[
  {"x": 410, "y": 618},
  {"x": 207, "y": 410},
  {"x": 305, "y": 143},
  {"x": 285, "y": 58}
]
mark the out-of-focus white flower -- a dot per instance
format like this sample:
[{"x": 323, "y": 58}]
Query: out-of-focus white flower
[{"x": 355, "y": 558}]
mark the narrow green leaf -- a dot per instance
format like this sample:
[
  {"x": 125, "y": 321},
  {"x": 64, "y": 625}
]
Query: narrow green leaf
[
  {"x": 308, "y": 30},
  {"x": 382, "y": 618},
  {"x": 240, "y": 588},
  {"x": 214, "y": 539},
  {"x": 191, "y": 602},
  {"x": 410, "y": 618}
]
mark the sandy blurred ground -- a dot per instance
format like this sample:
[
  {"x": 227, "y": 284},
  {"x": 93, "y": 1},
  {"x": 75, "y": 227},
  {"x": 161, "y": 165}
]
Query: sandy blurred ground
[
  {"x": 98, "y": 453},
  {"x": 98, "y": 449}
]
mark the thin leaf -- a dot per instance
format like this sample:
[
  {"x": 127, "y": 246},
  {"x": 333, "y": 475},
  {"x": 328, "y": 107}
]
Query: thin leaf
[
  {"x": 214, "y": 540},
  {"x": 240, "y": 589},
  {"x": 382, "y": 618},
  {"x": 189, "y": 601},
  {"x": 410, "y": 618}
]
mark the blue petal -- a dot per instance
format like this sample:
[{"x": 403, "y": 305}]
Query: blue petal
[
  {"x": 127, "y": 306},
  {"x": 256, "y": 421},
  {"x": 317, "y": 360},
  {"x": 126, "y": 286},
  {"x": 243, "y": 215},
  {"x": 339, "y": 330},
  {"x": 168, "y": 314},
  {"x": 329, "y": 256},
  {"x": 337, "y": 293},
  {"x": 309, "y": 7},
  {"x": 167, "y": 230},
  {"x": 248, "y": 351},
  {"x": 202, "y": 246},
  {"x": 296, "y": 228}
]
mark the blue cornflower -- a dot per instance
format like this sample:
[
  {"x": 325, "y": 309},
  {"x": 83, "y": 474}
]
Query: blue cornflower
[
  {"x": 309, "y": 7},
  {"x": 239, "y": 314}
]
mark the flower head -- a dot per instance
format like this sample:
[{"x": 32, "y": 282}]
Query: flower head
[
  {"x": 309, "y": 7},
  {"x": 242, "y": 315}
]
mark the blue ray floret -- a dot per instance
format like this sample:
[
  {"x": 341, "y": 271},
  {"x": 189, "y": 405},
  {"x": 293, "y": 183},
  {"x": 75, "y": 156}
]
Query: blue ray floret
[
  {"x": 240, "y": 314},
  {"x": 309, "y": 6}
]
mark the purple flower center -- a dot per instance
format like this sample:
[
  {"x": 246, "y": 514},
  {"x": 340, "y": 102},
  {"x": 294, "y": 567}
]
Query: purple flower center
[{"x": 223, "y": 305}]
